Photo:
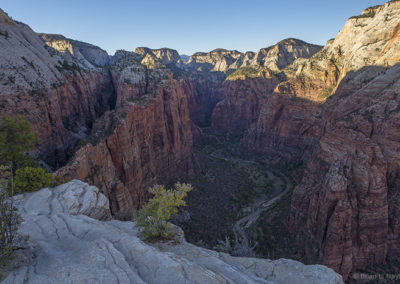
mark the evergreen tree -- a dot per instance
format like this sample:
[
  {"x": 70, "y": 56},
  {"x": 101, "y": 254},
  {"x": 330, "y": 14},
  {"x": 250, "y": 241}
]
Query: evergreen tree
[
  {"x": 153, "y": 217},
  {"x": 16, "y": 138}
]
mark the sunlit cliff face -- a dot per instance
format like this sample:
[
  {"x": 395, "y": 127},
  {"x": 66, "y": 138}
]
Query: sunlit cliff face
[{"x": 61, "y": 45}]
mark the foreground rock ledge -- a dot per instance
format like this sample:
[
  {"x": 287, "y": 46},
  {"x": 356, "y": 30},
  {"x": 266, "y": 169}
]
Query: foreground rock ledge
[{"x": 72, "y": 245}]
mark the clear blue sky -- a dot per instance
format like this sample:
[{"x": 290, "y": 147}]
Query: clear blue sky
[{"x": 187, "y": 25}]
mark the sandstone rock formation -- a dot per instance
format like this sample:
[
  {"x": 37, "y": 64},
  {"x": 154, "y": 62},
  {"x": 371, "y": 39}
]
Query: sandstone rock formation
[
  {"x": 345, "y": 206},
  {"x": 165, "y": 55},
  {"x": 352, "y": 178},
  {"x": 147, "y": 139},
  {"x": 72, "y": 245},
  {"x": 337, "y": 111},
  {"x": 136, "y": 146},
  {"x": 216, "y": 60},
  {"x": 60, "y": 92},
  {"x": 275, "y": 57},
  {"x": 82, "y": 51}
]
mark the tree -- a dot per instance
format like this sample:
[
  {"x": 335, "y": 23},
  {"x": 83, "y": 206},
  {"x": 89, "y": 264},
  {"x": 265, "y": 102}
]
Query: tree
[
  {"x": 153, "y": 217},
  {"x": 16, "y": 138}
]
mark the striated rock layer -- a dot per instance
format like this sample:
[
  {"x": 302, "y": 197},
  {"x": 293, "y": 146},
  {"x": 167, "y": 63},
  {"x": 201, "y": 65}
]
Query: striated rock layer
[
  {"x": 151, "y": 144},
  {"x": 59, "y": 91},
  {"x": 146, "y": 140},
  {"x": 70, "y": 244},
  {"x": 346, "y": 203},
  {"x": 345, "y": 207}
]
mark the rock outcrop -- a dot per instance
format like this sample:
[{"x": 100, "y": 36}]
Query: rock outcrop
[
  {"x": 71, "y": 245},
  {"x": 165, "y": 55},
  {"x": 346, "y": 203},
  {"x": 216, "y": 60},
  {"x": 275, "y": 57},
  {"x": 83, "y": 52}
]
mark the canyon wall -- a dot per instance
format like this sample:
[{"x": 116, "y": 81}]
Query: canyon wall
[
  {"x": 346, "y": 207},
  {"x": 337, "y": 111},
  {"x": 59, "y": 93},
  {"x": 151, "y": 144},
  {"x": 146, "y": 140}
]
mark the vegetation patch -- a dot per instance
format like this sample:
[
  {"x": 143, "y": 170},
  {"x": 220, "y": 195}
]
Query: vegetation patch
[
  {"x": 244, "y": 73},
  {"x": 270, "y": 234},
  {"x": 152, "y": 218},
  {"x": 327, "y": 92}
]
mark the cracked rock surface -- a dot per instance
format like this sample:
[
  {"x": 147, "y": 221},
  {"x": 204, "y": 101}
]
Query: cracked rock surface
[{"x": 72, "y": 245}]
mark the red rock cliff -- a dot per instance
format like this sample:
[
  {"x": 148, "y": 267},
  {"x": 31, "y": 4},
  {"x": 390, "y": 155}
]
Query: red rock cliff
[{"x": 146, "y": 140}]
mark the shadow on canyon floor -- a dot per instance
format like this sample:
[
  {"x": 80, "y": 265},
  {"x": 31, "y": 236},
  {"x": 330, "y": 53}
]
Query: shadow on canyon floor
[{"x": 229, "y": 181}]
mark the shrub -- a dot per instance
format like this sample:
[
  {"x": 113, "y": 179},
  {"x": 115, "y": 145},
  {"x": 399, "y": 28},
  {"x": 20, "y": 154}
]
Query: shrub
[
  {"x": 153, "y": 217},
  {"x": 32, "y": 179},
  {"x": 224, "y": 246}
]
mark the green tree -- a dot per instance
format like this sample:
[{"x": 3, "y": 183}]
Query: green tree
[
  {"x": 153, "y": 217},
  {"x": 32, "y": 179},
  {"x": 16, "y": 138}
]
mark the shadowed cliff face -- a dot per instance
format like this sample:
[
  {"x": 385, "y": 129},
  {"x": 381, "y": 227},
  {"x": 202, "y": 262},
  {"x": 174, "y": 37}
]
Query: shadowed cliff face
[
  {"x": 345, "y": 206},
  {"x": 146, "y": 140},
  {"x": 144, "y": 145}
]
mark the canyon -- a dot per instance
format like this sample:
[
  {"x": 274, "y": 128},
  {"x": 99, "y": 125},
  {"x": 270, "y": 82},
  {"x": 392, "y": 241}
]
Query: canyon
[{"x": 330, "y": 114}]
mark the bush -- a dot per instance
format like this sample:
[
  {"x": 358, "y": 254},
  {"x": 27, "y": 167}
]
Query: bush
[
  {"x": 31, "y": 179},
  {"x": 153, "y": 217}
]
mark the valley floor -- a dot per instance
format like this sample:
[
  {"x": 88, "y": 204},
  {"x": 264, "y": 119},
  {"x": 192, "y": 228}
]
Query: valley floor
[{"x": 234, "y": 195}]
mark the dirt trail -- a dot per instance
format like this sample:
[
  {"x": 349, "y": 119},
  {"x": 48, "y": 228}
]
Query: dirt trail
[
  {"x": 281, "y": 185},
  {"x": 258, "y": 206}
]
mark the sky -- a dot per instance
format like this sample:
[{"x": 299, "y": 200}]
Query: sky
[{"x": 188, "y": 26}]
